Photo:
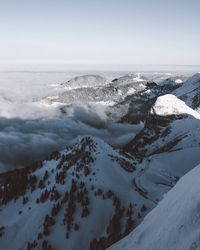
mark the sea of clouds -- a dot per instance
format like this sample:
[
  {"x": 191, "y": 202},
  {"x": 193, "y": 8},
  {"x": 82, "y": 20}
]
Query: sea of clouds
[{"x": 30, "y": 128}]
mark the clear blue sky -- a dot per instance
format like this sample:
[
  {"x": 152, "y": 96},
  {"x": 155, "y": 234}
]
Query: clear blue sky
[{"x": 100, "y": 31}]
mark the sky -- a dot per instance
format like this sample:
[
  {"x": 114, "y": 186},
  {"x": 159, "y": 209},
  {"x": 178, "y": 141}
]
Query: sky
[{"x": 100, "y": 32}]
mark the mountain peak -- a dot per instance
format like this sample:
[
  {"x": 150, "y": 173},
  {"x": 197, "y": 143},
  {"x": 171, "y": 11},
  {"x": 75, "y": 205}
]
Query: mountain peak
[{"x": 85, "y": 81}]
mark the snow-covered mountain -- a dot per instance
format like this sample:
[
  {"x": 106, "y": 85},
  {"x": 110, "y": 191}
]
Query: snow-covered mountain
[
  {"x": 82, "y": 195},
  {"x": 92, "y": 194},
  {"x": 174, "y": 223},
  {"x": 127, "y": 98},
  {"x": 170, "y": 134},
  {"x": 93, "y": 88},
  {"x": 85, "y": 81}
]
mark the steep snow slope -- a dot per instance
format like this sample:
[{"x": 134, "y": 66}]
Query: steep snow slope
[
  {"x": 174, "y": 223},
  {"x": 81, "y": 196},
  {"x": 190, "y": 91}
]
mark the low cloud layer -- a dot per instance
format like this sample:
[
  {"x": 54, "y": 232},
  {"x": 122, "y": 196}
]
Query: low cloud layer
[
  {"x": 31, "y": 128},
  {"x": 23, "y": 141}
]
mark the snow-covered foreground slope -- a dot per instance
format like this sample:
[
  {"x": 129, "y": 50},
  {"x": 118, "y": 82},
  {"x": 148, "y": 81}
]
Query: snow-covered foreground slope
[
  {"x": 174, "y": 223},
  {"x": 81, "y": 196}
]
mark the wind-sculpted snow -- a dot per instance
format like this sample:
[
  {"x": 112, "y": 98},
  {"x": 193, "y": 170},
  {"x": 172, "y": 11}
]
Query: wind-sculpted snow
[{"x": 174, "y": 223}]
